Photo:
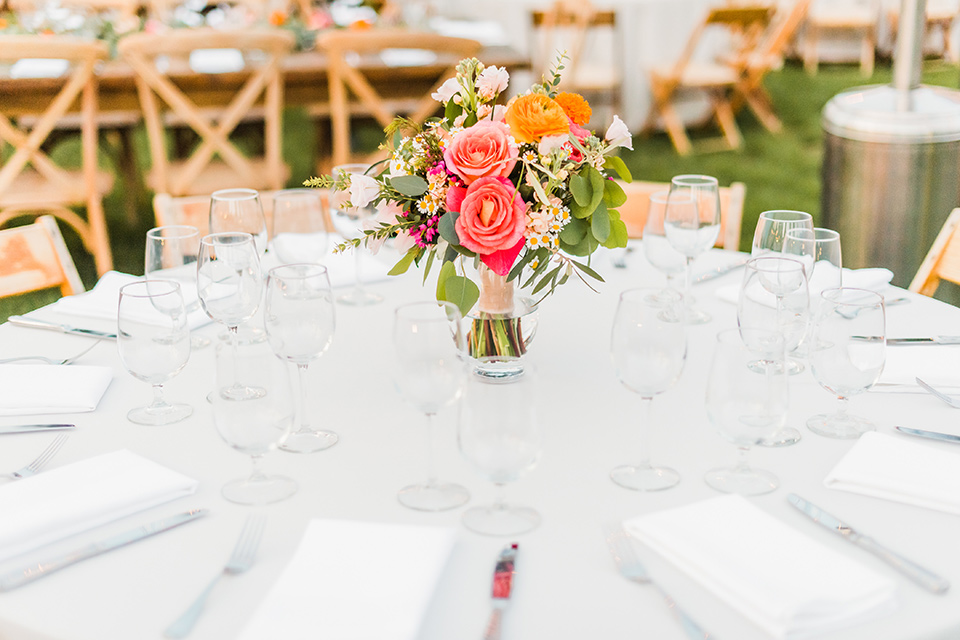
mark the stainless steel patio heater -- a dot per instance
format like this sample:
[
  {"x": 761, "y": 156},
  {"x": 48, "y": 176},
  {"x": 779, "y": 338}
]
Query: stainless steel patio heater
[{"x": 891, "y": 166}]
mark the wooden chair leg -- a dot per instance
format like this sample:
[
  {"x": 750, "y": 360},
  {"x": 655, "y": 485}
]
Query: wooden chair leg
[
  {"x": 727, "y": 122},
  {"x": 867, "y": 53},
  {"x": 675, "y": 129},
  {"x": 759, "y": 103},
  {"x": 810, "y": 53}
]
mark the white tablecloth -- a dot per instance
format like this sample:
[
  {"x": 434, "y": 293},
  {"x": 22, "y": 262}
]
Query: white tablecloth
[{"x": 567, "y": 586}]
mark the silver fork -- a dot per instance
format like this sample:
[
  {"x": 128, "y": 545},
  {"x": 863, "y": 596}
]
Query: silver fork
[
  {"x": 953, "y": 402},
  {"x": 630, "y": 567},
  {"x": 46, "y": 360},
  {"x": 240, "y": 560},
  {"x": 41, "y": 460}
]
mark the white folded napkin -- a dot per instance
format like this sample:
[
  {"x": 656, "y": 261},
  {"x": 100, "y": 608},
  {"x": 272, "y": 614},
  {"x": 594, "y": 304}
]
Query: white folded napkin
[
  {"x": 342, "y": 267},
  {"x": 783, "y": 581},
  {"x": 354, "y": 581},
  {"x": 30, "y": 389},
  {"x": 64, "y": 501},
  {"x": 872, "y": 279},
  {"x": 938, "y": 366},
  {"x": 898, "y": 469}
]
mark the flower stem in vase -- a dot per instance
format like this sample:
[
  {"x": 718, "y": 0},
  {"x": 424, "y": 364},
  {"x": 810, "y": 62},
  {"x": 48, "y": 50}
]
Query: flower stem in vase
[{"x": 500, "y": 326}]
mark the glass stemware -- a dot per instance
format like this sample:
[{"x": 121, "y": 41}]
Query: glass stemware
[
  {"x": 847, "y": 355},
  {"x": 239, "y": 210},
  {"x": 349, "y": 223},
  {"x": 153, "y": 340},
  {"x": 772, "y": 228},
  {"x": 746, "y": 404},
  {"x": 300, "y": 233},
  {"x": 501, "y": 436},
  {"x": 230, "y": 287},
  {"x": 429, "y": 343},
  {"x": 648, "y": 345},
  {"x": 299, "y": 320},
  {"x": 657, "y": 249},
  {"x": 692, "y": 224},
  {"x": 171, "y": 254},
  {"x": 254, "y": 424},
  {"x": 819, "y": 251}
]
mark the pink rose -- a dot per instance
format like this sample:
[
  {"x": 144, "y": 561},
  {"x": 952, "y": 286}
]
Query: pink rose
[
  {"x": 485, "y": 149},
  {"x": 492, "y": 216}
]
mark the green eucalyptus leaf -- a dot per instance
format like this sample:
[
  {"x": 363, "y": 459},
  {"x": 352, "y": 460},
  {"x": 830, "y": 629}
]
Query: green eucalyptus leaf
[
  {"x": 404, "y": 263},
  {"x": 452, "y": 110},
  {"x": 518, "y": 267},
  {"x": 546, "y": 281},
  {"x": 446, "y": 271},
  {"x": 618, "y": 232},
  {"x": 573, "y": 231},
  {"x": 600, "y": 224},
  {"x": 412, "y": 186},
  {"x": 431, "y": 256},
  {"x": 615, "y": 163},
  {"x": 587, "y": 270},
  {"x": 462, "y": 292},
  {"x": 581, "y": 189},
  {"x": 447, "y": 227},
  {"x": 596, "y": 186},
  {"x": 613, "y": 194}
]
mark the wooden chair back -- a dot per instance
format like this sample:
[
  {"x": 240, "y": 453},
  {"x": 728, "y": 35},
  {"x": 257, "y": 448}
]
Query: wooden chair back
[
  {"x": 566, "y": 25},
  {"x": 942, "y": 261},
  {"x": 30, "y": 180},
  {"x": 142, "y": 50},
  {"x": 341, "y": 48},
  {"x": 636, "y": 209},
  {"x": 35, "y": 257},
  {"x": 745, "y": 25}
]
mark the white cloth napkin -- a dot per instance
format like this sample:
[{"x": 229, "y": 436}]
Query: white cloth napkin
[
  {"x": 898, "y": 469},
  {"x": 783, "y": 581},
  {"x": 938, "y": 366},
  {"x": 342, "y": 267},
  {"x": 354, "y": 581},
  {"x": 64, "y": 501},
  {"x": 30, "y": 389},
  {"x": 872, "y": 279}
]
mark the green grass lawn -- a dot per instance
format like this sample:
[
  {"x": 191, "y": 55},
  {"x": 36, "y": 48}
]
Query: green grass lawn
[{"x": 780, "y": 171}]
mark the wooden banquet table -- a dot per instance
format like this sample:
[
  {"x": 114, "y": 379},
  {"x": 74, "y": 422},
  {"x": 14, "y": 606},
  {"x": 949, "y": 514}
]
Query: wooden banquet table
[{"x": 566, "y": 584}]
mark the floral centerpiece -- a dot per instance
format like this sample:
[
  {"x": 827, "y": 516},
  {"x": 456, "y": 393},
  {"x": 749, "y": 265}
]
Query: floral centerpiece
[{"x": 521, "y": 189}]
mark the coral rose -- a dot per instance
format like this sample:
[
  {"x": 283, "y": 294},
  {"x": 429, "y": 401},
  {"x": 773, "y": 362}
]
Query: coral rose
[
  {"x": 485, "y": 149},
  {"x": 535, "y": 115},
  {"x": 492, "y": 216}
]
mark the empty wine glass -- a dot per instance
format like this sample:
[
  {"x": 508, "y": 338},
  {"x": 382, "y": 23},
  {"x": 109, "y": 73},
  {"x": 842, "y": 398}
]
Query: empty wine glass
[
  {"x": 299, "y": 320},
  {"x": 500, "y": 435},
  {"x": 648, "y": 346},
  {"x": 847, "y": 355},
  {"x": 772, "y": 228},
  {"x": 349, "y": 223},
  {"x": 254, "y": 424},
  {"x": 300, "y": 233},
  {"x": 692, "y": 224},
  {"x": 819, "y": 251},
  {"x": 230, "y": 287},
  {"x": 239, "y": 210},
  {"x": 429, "y": 343},
  {"x": 153, "y": 340},
  {"x": 658, "y": 250},
  {"x": 747, "y": 404},
  {"x": 171, "y": 254}
]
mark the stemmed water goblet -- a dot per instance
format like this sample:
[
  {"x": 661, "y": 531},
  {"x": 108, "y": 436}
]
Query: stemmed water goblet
[
  {"x": 349, "y": 223},
  {"x": 747, "y": 404},
  {"x": 692, "y": 224},
  {"x": 501, "y": 436},
  {"x": 239, "y": 210},
  {"x": 254, "y": 424},
  {"x": 772, "y": 228},
  {"x": 847, "y": 355},
  {"x": 299, "y": 320},
  {"x": 171, "y": 254},
  {"x": 300, "y": 234},
  {"x": 657, "y": 249},
  {"x": 153, "y": 340},
  {"x": 819, "y": 251},
  {"x": 648, "y": 346},
  {"x": 429, "y": 342}
]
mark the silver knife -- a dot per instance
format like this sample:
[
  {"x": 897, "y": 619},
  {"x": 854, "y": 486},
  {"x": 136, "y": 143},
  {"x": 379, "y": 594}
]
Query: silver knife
[
  {"x": 33, "y": 572},
  {"x": 924, "y": 577},
  {"x": 933, "y": 435},
  {"x": 32, "y": 323},
  {"x": 35, "y": 428},
  {"x": 909, "y": 341},
  {"x": 502, "y": 585},
  {"x": 719, "y": 271}
]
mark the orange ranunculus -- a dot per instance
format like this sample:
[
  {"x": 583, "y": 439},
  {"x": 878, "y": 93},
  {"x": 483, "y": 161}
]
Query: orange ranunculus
[
  {"x": 278, "y": 18},
  {"x": 534, "y": 116},
  {"x": 574, "y": 105}
]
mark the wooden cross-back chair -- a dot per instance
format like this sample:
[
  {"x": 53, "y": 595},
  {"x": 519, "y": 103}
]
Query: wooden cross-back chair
[
  {"x": 939, "y": 16},
  {"x": 576, "y": 27},
  {"x": 859, "y": 17},
  {"x": 35, "y": 257},
  {"x": 635, "y": 210},
  {"x": 343, "y": 47},
  {"x": 942, "y": 261},
  {"x": 201, "y": 172},
  {"x": 743, "y": 25},
  {"x": 30, "y": 181}
]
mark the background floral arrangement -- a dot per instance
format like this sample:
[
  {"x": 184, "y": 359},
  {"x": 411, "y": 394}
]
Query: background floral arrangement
[{"x": 521, "y": 188}]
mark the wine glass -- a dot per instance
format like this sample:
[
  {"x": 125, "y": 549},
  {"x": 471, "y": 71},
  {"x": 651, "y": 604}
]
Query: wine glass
[
  {"x": 230, "y": 287},
  {"x": 299, "y": 320},
  {"x": 153, "y": 340},
  {"x": 847, "y": 355},
  {"x": 658, "y": 250},
  {"x": 747, "y": 405},
  {"x": 253, "y": 424},
  {"x": 171, "y": 254},
  {"x": 300, "y": 232},
  {"x": 692, "y": 224},
  {"x": 501, "y": 436},
  {"x": 648, "y": 346},
  {"x": 239, "y": 210},
  {"x": 349, "y": 223},
  {"x": 429, "y": 343},
  {"x": 819, "y": 251},
  {"x": 772, "y": 228}
]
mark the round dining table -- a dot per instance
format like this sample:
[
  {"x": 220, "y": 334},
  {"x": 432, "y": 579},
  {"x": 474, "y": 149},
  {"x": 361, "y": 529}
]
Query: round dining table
[{"x": 566, "y": 584}]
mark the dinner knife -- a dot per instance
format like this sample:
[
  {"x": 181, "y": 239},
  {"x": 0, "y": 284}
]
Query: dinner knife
[
  {"x": 933, "y": 435},
  {"x": 914, "y": 341},
  {"x": 35, "y": 428},
  {"x": 719, "y": 271},
  {"x": 33, "y": 323},
  {"x": 35, "y": 571},
  {"x": 924, "y": 577},
  {"x": 502, "y": 585}
]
